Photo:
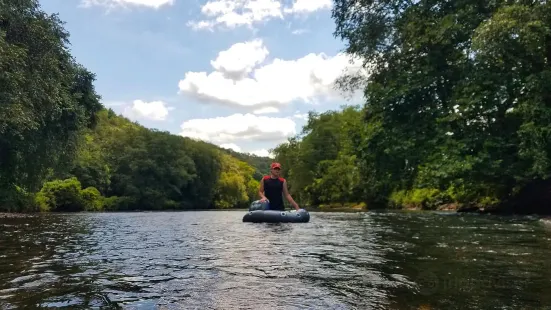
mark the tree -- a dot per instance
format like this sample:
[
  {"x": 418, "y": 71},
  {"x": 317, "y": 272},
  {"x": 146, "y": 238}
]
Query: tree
[
  {"x": 321, "y": 162},
  {"x": 458, "y": 99},
  {"x": 46, "y": 98}
]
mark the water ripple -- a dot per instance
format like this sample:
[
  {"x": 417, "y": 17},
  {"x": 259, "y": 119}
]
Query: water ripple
[{"x": 211, "y": 260}]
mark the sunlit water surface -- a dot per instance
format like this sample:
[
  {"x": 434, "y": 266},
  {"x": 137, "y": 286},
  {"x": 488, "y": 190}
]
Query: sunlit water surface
[{"x": 212, "y": 260}]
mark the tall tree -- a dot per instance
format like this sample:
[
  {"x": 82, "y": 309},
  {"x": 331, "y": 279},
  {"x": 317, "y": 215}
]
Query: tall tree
[
  {"x": 320, "y": 164},
  {"x": 458, "y": 98},
  {"x": 46, "y": 98}
]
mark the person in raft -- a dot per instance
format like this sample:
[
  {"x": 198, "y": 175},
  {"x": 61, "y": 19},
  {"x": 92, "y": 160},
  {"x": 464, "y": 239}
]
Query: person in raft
[{"x": 273, "y": 187}]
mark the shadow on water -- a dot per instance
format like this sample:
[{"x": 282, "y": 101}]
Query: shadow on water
[
  {"x": 211, "y": 260},
  {"x": 471, "y": 261}
]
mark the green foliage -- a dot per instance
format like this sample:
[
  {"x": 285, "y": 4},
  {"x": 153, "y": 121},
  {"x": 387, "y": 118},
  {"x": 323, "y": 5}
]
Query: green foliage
[
  {"x": 68, "y": 196},
  {"x": 425, "y": 198},
  {"x": 151, "y": 170},
  {"x": 92, "y": 199},
  {"x": 124, "y": 166},
  {"x": 90, "y": 165},
  {"x": 457, "y": 112},
  {"x": 17, "y": 199},
  {"x": 46, "y": 98},
  {"x": 321, "y": 165},
  {"x": 432, "y": 198},
  {"x": 53, "y": 128},
  {"x": 457, "y": 100},
  {"x": 208, "y": 168},
  {"x": 236, "y": 186},
  {"x": 337, "y": 180},
  {"x": 259, "y": 163}
]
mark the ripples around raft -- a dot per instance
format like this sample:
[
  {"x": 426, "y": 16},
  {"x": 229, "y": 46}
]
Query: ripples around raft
[{"x": 211, "y": 260}]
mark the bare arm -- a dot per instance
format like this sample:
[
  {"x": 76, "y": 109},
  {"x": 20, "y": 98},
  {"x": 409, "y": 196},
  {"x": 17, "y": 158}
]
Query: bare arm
[
  {"x": 288, "y": 196},
  {"x": 261, "y": 190}
]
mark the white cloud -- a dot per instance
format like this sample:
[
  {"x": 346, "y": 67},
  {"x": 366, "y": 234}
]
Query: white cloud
[
  {"x": 237, "y": 148},
  {"x": 273, "y": 84},
  {"x": 234, "y": 13},
  {"x": 240, "y": 59},
  {"x": 309, "y": 6},
  {"x": 156, "y": 4},
  {"x": 154, "y": 110},
  {"x": 231, "y": 146},
  {"x": 262, "y": 153},
  {"x": 239, "y": 127},
  {"x": 266, "y": 110}
]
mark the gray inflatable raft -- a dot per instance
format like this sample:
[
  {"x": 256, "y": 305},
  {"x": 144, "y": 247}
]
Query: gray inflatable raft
[{"x": 259, "y": 213}]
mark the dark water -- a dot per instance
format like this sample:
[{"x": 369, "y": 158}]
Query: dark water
[{"x": 211, "y": 260}]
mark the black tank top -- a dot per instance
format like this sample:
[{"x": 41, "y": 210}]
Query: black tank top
[{"x": 273, "y": 190}]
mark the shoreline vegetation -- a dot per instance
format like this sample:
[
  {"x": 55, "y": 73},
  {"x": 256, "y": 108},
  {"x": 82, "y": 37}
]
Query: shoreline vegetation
[
  {"x": 457, "y": 117},
  {"x": 335, "y": 207},
  {"x": 346, "y": 208}
]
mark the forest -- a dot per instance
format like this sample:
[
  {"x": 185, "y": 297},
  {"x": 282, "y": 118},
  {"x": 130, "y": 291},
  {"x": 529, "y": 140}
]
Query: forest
[
  {"x": 457, "y": 109},
  {"x": 456, "y": 115},
  {"x": 62, "y": 150}
]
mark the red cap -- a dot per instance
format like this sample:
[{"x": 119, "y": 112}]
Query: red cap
[{"x": 275, "y": 165}]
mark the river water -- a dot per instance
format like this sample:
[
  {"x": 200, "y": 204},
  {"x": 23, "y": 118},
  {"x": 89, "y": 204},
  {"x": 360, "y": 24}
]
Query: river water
[{"x": 212, "y": 260}]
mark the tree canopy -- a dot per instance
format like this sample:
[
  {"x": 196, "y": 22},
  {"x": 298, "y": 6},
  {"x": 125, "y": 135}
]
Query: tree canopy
[
  {"x": 457, "y": 111},
  {"x": 457, "y": 106},
  {"x": 135, "y": 168},
  {"x": 46, "y": 97},
  {"x": 61, "y": 150}
]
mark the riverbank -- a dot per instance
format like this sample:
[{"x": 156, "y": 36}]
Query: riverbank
[
  {"x": 460, "y": 208},
  {"x": 338, "y": 207},
  {"x": 504, "y": 209},
  {"x": 4, "y": 215}
]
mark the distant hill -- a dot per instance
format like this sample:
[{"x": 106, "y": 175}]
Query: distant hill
[{"x": 260, "y": 163}]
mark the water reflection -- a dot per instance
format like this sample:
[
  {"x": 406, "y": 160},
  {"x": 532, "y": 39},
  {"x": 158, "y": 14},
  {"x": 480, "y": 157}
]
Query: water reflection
[{"x": 211, "y": 260}]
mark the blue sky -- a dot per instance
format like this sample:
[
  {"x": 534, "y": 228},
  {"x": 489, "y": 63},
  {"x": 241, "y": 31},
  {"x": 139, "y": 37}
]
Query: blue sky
[{"x": 241, "y": 74}]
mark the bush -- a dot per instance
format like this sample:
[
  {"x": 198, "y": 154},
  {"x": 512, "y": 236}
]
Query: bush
[
  {"x": 423, "y": 198},
  {"x": 93, "y": 200},
  {"x": 67, "y": 196}
]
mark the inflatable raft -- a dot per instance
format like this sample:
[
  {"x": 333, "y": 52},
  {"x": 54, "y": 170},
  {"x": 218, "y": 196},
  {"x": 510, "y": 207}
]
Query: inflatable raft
[{"x": 259, "y": 212}]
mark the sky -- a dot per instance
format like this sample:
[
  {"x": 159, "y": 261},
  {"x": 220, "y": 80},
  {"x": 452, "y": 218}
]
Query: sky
[{"x": 241, "y": 74}]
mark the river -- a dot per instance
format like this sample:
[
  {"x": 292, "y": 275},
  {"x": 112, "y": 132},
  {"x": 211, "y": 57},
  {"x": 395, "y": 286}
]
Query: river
[{"x": 212, "y": 260}]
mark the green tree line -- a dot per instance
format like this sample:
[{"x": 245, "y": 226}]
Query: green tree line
[
  {"x": 130, "y": 167},
  {"x": 457, "y": 109},
  {"x": 61, "y": 150},
  {"x": 457, "y": 112}
]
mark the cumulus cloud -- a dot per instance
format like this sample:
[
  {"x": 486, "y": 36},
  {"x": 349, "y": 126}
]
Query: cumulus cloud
[
  {"x": 237, "y": 148},
  {"x": 234, "y": 13},
  {"x": 240, "y": 59},
  {"x": 239, "y": 127},
  {"x": 231, "y": 146},
  {"x": 154, "y": 110},
  {"x": 262, "y": 153},
  {"x": 243, "y": 78},
  {"x": 155, "y": 4},
  {"x": 309, "y": 6}
]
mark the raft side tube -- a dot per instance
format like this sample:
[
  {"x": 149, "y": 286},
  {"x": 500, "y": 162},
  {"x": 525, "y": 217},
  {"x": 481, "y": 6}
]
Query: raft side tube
[{"x": 274, "y": 216}]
